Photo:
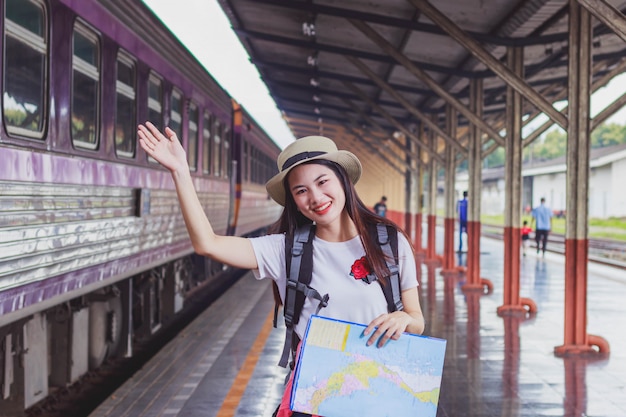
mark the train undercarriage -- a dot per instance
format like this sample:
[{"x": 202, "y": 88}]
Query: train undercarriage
[{"x": 43, "y": 355}]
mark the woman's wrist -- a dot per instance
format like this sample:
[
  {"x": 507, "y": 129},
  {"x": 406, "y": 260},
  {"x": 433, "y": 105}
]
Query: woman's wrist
[{"x": 181, "y": 172}]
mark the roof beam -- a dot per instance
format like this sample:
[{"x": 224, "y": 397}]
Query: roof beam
[
  {"x": 314, "y": 8},
  {"x": 378, "y": 150},
  {"x": 381, "y": 129},
  {"x": 608, "y": 15},
  {"x": 600, "y": 117},
  {"x": 393, "y": 121},
  {"x": 486, "y": 58},
  {"x": 414, "y": 111},
  {"x": 424, "y": 77},
  {"x": 320, "y": 92},
  {"x": 335, "y": 76},
  {"x": 347, "y": 51}
]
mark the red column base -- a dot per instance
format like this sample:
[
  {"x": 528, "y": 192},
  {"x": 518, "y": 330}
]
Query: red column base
[
  {"x": 434, "y": 262},
  {"x": 526, "y": 306},
  {"x": 484, "y": 286},
  {"x": 451, "y": 273},
  {"x": 512, "y": 310},
  {"x": 585, "y": 350}
]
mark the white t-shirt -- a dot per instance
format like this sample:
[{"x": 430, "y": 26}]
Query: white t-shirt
[{"x": 350, "y": 299}]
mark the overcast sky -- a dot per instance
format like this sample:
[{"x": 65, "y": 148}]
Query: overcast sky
[{"x": 202, "y": 26}]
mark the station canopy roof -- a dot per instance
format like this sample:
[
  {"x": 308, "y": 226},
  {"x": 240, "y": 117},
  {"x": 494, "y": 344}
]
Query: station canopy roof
[{"x": 376, "y": 70}]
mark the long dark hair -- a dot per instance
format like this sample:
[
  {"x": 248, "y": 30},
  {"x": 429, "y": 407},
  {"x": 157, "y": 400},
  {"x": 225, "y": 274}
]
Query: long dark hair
[{"x": 364, "y": 220}]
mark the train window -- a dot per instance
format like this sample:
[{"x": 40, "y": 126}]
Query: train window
[
  {"x": 85, "y": 87},
  {"x": 25, "y": 66},
  {"x": 192, "y": 142},
  {"x": 217, "y": 149},
  {"x": 270, "y": 168},
  {"x": 245, "y": 161},
  {"x": 125, "y": 120},
  {"x": 155, "y": 100},
  {"x": 176, "y": 113},
  {"x": 257, "y": 165},
  {"x": 155, "y": 104},
  {"x": 207, "y": 124},
  {"x": 252, "y": 163},
  {"x": 226, "y": 156}
]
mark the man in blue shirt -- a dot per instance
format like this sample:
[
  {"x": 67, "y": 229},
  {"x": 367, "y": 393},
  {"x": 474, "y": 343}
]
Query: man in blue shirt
[
  {"x": 461, "y": 208},
  {"x": 543, "y": 216},
  {"x": 380, "y": 208}
]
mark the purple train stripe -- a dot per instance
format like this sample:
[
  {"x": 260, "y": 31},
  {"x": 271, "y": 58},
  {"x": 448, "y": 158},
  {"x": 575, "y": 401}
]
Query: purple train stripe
[
  {"x": 15, "y": 299},
  {"x": 28, "y": 166}
]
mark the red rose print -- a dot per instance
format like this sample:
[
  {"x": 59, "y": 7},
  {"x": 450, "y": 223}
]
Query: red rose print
[{"x": 360, "y": 268}]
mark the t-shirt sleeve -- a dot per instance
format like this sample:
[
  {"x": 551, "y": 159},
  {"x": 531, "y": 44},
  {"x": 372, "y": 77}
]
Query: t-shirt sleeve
[
  {"x": 270, "y": 256},
  {"x": 406, "y": 263}
]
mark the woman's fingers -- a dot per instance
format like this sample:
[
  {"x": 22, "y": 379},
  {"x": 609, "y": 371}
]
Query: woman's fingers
[
  {"x": 384, "y": 327},
  {"x": 170, "y": 134},
  {"x": 150, "y": 139},
  {"x": 152, "y": 131},
  {"x": 152, "y": 134}
]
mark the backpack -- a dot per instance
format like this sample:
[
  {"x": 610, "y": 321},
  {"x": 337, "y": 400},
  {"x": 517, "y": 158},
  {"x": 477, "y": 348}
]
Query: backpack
[{"x": 299, "y": 259}]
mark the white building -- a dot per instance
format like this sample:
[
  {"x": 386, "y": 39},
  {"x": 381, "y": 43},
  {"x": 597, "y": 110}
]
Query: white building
[{"x": 607, "y": 184}]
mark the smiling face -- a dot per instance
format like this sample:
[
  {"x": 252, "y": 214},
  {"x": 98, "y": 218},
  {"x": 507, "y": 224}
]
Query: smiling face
[{"x": 318, "y": 193}]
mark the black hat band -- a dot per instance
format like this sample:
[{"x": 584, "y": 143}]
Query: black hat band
[{"x": 300, "y": 157}]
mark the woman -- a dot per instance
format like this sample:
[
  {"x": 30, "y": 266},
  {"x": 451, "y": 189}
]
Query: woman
[{"x": 315, "y": 184}]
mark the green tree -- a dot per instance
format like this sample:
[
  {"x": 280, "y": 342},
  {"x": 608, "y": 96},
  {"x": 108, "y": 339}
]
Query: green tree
[
  {"x": 608, "y": 135},
  {"x": 495, "y": 158},
  {"x": 554, "y": 143},
  {"x": 552, "y": 146}
]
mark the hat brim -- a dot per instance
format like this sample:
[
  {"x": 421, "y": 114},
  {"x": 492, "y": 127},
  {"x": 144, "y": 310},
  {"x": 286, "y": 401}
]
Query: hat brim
[{"x": 345, "y": 159}]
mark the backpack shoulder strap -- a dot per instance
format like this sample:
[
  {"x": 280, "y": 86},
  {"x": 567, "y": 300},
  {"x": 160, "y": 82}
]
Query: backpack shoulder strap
[
  {"x": 388, "y": 241},
  {"x": 299, "y": 262}
]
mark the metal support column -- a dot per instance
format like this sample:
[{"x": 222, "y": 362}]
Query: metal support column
[
  {"x": 473, "y": 279},
  {"x": 577, "y": 341},
  {"x": 431, "y": 249},
  {"x": 419, "y": 217},
  {"x": 513, "y": 303},
  {"x": 450, "y": 196},
  {"x": 409, "y": 191},
  {"x": 420, "y": 198},
  {"x": 412, "y": 184}
]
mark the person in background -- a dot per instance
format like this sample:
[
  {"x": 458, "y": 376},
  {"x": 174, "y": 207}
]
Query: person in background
[
  {"x": 380, "y": 208},
  {"x": 542, "y": 215},
  {"x": 525, "y": 236},
  {"x": 461, "y": 209}
]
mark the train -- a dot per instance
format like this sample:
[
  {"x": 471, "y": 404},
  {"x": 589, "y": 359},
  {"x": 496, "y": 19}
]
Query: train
[{"x": 94, "y": 253}]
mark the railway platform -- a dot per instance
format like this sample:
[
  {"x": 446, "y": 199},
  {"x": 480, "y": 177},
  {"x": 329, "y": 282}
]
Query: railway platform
[{"x": 224, "y": 363}]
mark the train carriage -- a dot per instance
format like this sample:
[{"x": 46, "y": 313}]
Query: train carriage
[{"x": 94, "y": 254}]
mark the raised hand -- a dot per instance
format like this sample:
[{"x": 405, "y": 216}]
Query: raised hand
[{"x": 166, "y": 149}]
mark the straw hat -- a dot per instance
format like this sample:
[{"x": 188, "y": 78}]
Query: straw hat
[{"x": 307, "y": 149}]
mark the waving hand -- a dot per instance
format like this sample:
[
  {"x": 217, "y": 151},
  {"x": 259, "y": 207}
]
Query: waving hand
[{"x": 166, "y": 149}]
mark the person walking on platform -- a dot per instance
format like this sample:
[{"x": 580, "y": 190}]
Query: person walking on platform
[
  {"x": 461, "y": 208},
  {"x": 525, "y": 236},
  {"x": 315, "y": 185},
  {"x": 542, "y": 215},
  {"x": 380, "y": 208}
]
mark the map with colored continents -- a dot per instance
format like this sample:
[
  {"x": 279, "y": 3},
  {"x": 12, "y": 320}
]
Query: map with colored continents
[{"x": 337, "y": 375}]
